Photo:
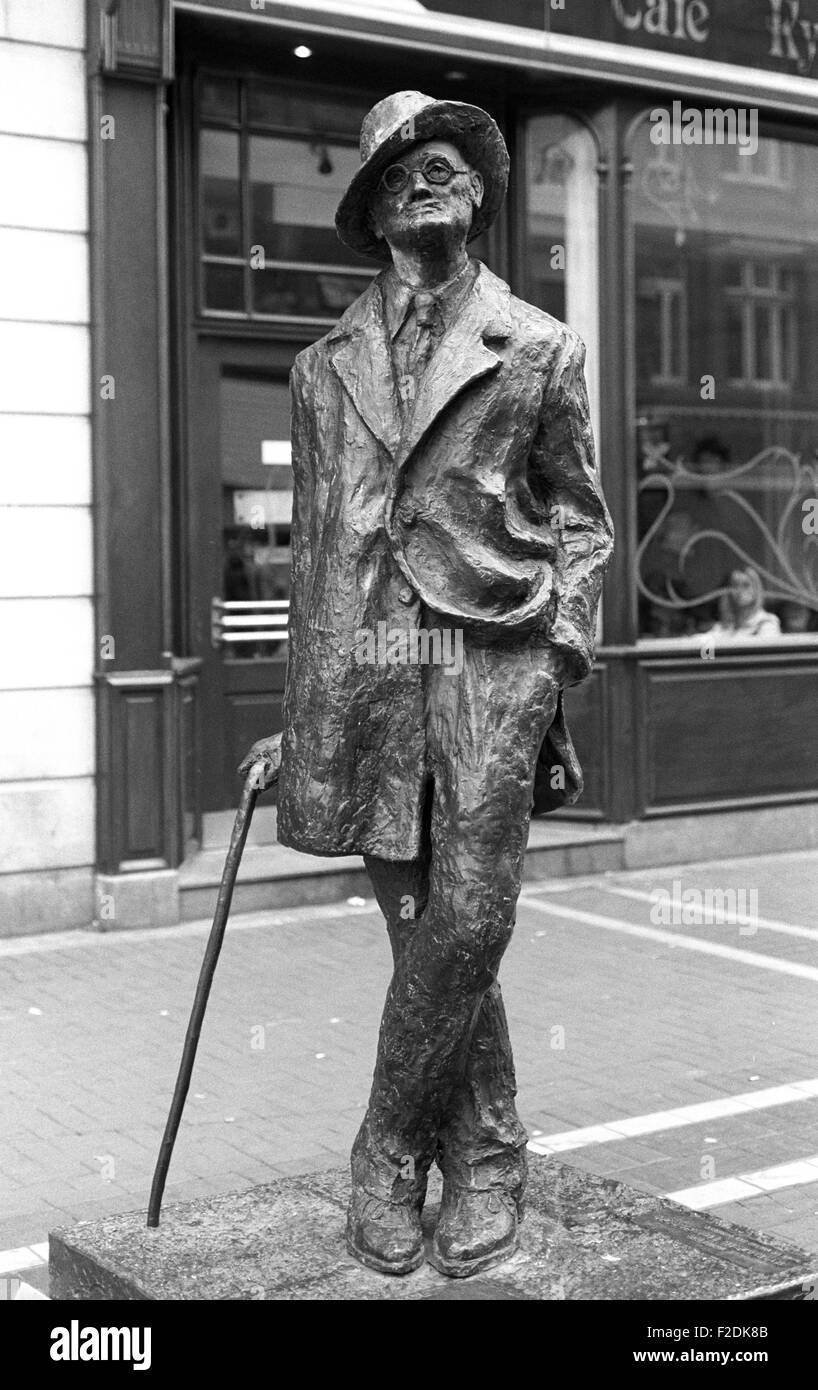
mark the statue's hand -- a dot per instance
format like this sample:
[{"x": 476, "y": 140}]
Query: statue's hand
[{"x": 263, "y": 763}]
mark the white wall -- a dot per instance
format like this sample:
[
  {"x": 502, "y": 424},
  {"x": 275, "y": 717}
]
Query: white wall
[{"x": 46, "y": 564}]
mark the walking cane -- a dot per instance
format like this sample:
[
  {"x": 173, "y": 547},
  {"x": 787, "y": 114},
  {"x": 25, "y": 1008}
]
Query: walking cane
[{"x": 252, "y": 786}]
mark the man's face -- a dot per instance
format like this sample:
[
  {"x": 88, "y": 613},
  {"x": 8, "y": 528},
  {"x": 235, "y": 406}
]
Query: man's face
[{"x": 425, "y": 213}]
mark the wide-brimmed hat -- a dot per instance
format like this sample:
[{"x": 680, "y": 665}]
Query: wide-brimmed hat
[{"x": 392, "y": 127}]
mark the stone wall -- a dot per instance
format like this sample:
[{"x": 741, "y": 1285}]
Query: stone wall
[{"x": 46, "y": 560}]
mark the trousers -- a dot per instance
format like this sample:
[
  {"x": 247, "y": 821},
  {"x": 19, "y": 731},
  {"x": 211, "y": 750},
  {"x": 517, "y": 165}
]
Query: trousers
[{"x": 444, "y": 1081}]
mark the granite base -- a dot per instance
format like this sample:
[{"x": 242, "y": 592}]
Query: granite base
[{"x": 584, "y": 1237}]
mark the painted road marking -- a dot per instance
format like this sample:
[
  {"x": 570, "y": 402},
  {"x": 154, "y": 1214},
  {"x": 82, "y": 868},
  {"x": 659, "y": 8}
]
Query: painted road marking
[
  {"x": 21, "y": 1292},
  {"x": 24, "y": 1257},
  {"x": 720, "y": 919},
  {"x": 660, "y": 1120},
  {"x": 717, "y": 1194},
  {"x": 16, "y": 1290},
  {"x": 666, "y": 938},
  {"x": 14, "y": 1263}
]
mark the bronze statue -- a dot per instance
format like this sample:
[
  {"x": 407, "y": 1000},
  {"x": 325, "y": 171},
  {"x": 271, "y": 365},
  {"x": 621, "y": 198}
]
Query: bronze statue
[{"x": 449, "y": 539}]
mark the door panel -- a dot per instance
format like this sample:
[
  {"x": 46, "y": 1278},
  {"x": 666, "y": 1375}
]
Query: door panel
[{"x": 252, "y": 708}]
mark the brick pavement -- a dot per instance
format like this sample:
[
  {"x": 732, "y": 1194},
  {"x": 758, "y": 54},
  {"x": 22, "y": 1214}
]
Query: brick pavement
[{"x": 605, "y": 1025}]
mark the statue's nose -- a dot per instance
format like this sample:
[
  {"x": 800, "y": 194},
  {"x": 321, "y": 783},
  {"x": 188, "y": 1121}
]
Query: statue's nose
[{"x": 418, "y": 187}]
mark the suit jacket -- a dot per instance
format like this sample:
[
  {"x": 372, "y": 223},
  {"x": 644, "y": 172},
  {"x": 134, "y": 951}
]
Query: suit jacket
[{"x": 484, "y": 507}]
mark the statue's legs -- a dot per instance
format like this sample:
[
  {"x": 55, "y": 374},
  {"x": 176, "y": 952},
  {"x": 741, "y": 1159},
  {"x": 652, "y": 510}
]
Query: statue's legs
[
  {"x": 484, "y": 730},
  {"x": 483, "y": 1139}
]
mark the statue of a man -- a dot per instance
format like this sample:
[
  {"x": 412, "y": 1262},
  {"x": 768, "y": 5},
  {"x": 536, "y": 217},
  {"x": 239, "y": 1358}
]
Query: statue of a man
[{"x": 449, "y": 539}]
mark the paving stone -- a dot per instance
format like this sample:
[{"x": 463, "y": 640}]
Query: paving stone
[{"x": 647, "y": 1029}]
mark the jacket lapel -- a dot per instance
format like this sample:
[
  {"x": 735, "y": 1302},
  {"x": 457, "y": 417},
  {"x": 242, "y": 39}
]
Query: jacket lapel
[
  {"x": 360, "y": 356},
  {"x": 461, "y": 357},
  {"x": 359, "y": 353}
]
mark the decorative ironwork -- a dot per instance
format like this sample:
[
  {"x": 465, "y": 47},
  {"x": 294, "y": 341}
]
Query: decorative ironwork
[{"x": 786, "y": 558}]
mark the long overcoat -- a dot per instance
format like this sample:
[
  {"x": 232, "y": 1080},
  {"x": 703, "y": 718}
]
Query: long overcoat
[{"x": 478, "y": 505}]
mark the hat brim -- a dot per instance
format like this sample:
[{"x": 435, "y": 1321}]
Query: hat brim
[{"x": 475, "y": 134}]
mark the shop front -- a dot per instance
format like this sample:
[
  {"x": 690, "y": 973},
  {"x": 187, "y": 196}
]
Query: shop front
[{"x": 663, "y": 201}]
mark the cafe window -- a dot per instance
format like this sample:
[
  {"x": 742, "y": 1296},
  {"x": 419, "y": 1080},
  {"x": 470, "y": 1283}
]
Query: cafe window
[
  {"x": 726, "y": 354},
  {"x": 273, "y": 165},
  {"x": 558, "y": 262},
  {"x": 560, "y": 247}
]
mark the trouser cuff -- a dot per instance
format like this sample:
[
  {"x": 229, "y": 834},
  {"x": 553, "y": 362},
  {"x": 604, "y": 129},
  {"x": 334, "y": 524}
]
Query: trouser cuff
[
  {"x": 506, "y": 1171},
  {"x": 382, "y": 1168}
]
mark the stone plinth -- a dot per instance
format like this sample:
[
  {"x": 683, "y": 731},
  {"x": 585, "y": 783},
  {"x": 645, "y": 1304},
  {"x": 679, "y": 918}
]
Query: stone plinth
[{"x": 584, "y": 1237}]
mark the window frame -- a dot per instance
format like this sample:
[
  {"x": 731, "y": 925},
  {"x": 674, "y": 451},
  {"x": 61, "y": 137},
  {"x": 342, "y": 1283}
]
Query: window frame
[
  {"x": 783, "y": 328},
  {"x": 245, "y": 129},
  {"x": 664, "y": 288},
  {"x": 779, "y": 176}
]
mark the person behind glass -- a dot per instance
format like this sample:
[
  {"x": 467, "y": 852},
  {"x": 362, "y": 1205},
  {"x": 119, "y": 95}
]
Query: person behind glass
[
  {"x": 711, "y": 456},
  {"x": 741, "y": 609}
]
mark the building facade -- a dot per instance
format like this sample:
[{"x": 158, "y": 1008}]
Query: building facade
[
  {"x": 663, "y": 201},
  {"x": 47, "y": 763}
]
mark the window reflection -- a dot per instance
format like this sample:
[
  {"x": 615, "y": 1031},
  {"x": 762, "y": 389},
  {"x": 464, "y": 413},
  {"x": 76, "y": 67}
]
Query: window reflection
[
  {"x": 221, "y": 194},
  {"x": 269, "y": 193},
  {"x": 256, "y": 515},
  {"x": 561, "y": 247},
  {"x": 560, "y": 271},
  {"x": 295, "y": 187},
  {"x": 726, "y": 327}
]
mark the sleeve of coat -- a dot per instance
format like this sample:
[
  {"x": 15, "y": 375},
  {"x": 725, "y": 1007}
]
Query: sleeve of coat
[
  {"x": 564, "y": 469},
  {"x": 302, "y": 428}
]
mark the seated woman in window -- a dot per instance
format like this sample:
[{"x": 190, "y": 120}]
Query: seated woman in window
[{"x": 741, "y": 610}]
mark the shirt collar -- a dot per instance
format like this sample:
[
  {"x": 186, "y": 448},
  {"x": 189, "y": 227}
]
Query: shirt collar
[{"x": 397, "y": 295}]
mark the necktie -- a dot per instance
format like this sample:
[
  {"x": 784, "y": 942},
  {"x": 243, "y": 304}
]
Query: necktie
[
  {"x": 414, "y": 346},
  {"x": 429, "y": 326}
]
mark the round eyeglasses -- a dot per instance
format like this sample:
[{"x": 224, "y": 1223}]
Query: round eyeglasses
[{"x": 437, "y": 169}]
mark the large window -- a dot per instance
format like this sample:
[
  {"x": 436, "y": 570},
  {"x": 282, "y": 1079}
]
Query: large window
[
  {"x": 273, "y": 165},
  {"x": 560, "y": 247},
  {"x": 726, "y": 354},
  {"x": 559, "y": 239}
]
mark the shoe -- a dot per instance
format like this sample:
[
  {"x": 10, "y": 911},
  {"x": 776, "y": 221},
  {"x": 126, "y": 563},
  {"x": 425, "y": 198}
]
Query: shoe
[
  {"x": 383, "y": 1235},
  {"x": 477, "y": 1228}
]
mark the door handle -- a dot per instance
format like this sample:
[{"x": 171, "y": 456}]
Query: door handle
[{"x": 233, "y": 621}]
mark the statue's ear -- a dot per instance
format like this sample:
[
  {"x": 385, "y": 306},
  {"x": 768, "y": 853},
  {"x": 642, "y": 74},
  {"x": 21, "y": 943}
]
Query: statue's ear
[{"x": 478, "y": 188}]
